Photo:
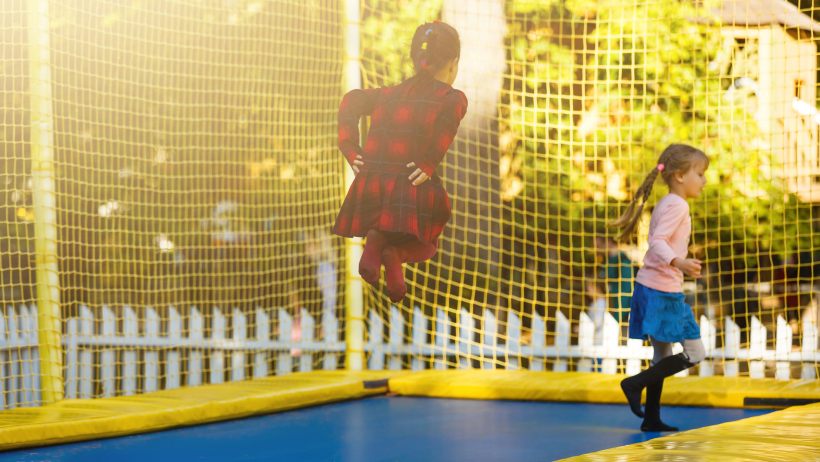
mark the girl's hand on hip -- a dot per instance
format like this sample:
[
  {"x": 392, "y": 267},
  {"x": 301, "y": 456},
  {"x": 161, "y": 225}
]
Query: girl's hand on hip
[
  {"x": 689, "y": 266},
  {"x": 417, "y": 177},
  {"x": 357, "y": 164}
]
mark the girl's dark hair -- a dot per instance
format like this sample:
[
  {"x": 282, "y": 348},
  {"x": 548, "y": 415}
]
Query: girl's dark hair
[
  {"x": 434, "y": 45},
  {"x": 675, "y": 158}
]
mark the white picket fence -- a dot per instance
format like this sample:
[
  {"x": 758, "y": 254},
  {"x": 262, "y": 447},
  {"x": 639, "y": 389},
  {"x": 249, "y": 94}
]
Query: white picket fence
[
  {"x": 19, "y": 357},
  {"x": 179, "y": 351},
  {"x": 124, "y": 354},
  {"x": 504, "y": 348}
]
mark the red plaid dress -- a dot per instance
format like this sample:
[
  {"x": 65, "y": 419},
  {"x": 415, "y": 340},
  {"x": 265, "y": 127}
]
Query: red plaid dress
[{"x": 414, "y": 121}]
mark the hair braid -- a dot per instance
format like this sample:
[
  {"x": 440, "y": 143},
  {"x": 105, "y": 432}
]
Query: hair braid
[{"x": 675, "y": 158}]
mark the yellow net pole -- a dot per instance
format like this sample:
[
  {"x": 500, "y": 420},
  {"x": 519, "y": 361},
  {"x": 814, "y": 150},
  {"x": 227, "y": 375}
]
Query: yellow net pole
[
  {"x": 354, "y": 304},
  {"x": 45, "y": 217}
]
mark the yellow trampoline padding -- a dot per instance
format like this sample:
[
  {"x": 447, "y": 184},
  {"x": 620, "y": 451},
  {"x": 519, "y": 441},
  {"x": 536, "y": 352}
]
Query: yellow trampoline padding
[
  {"x": 83, "y": 419},
  {"x": 601, "y": 388},
  {"x": 790, "y": 434}
]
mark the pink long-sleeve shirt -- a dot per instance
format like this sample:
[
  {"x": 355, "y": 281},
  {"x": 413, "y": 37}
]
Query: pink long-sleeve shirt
[{"x": 669, "y": 231}]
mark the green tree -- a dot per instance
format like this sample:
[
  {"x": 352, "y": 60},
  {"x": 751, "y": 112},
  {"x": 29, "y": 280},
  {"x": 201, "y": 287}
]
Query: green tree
[
  {"x": 387, "y": 29},
  {"x": 597, "y": 89}
]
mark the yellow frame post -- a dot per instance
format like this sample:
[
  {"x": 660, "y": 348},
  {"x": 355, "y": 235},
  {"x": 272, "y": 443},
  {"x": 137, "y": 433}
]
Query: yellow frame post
[
  {"x": 45, "y": 213},
  {"x": 354, "y": 300}
]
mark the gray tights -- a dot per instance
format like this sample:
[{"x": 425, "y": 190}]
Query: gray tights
[{"x": 693, "y": 349}]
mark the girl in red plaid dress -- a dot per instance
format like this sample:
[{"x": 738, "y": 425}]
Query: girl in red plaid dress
[{"x": 396, "y": 200}]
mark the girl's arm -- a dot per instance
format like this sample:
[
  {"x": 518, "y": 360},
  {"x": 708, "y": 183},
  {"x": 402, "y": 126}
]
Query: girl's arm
[
  {"x": 444, "y": 131},
  {"x": 355, "y": 104},
  {"x": 669, "y": 219}
]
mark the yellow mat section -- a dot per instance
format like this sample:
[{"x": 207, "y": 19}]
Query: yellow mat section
[
  {"x": 792, "y": 434},
  {"x": 83, "y": 419},
  {"x": 601, "y": 388}
]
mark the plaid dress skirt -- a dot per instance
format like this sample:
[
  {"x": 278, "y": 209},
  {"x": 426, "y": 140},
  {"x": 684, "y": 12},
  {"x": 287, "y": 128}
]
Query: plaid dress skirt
[{"x": 383, "y": 198}]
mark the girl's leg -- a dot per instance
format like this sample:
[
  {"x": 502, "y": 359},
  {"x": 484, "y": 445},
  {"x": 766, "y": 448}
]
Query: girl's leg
[
  {"x": 393, "y": 274},
  {"x": 660, "y": 350},
  {"x": 670, "y": 365},
  {"x": 652, "y": 420},
  {"x": 694, "y": 350},
  {"x": 415, "y": 251},
  {"x": 371, "y": 261},
  {"x": 402, "y": 248}
]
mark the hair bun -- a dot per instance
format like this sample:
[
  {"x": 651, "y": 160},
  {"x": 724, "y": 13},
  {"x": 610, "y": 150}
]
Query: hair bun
[{"x": 433, "y": 45}]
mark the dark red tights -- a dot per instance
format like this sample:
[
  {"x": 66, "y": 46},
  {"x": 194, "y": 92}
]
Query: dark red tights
[
  {"x": 371, "y": 260},
  {"x": 392, "y": 250}
]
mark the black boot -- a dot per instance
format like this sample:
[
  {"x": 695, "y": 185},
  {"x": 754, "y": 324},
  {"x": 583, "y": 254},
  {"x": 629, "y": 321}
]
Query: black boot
[
  {"x": 652, "y": 422},
  {"x": 633, "y": 386}
]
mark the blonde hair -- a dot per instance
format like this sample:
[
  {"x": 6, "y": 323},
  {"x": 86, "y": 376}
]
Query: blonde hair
[{"x": 675, "y": 158}]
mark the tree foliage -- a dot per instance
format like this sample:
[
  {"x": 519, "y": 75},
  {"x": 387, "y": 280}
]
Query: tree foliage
[{"x": 599, "y": 88}]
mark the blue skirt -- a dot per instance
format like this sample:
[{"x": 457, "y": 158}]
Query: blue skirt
[{"x": 663, "y": 316}]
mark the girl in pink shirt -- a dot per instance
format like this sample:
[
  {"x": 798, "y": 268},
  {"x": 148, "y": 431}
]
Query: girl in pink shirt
[{"x": 659, "y": 312}]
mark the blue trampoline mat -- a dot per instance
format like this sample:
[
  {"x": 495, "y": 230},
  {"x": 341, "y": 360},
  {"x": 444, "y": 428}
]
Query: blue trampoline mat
[{"x": 394, "y": 429}]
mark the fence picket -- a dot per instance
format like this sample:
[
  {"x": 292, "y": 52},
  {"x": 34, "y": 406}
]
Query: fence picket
[
  {"x": 217, "y": 356},
  {"x": 71, "y": 355},
  {"x": 260, "y": 358},
  {"x": 489, "y": 340},
  {"x": 757, "y": 345},
  {"x": 538, "y": 343},
  {"x": 376, "y": 360},
  {"x": 708, "y": 332},
  {"x": 561, "y": 341},
  {"x": 240, "y": 329},
  {"x": 633, "y": 364},
  {"x": 307, "y": 328},
  {"x": 440, "y": 341},
  {"x": 284, "y": 363},
  {"x": 129, "y": 356},
  {"x": 330, "y": 334},
  {"x": 108, "y": 362},
  {"x": 173, "y": 371},
  {"x": 86, "y": 355},
  {"x": 466, "y": 329},
  {"x": 783, "y": 347},
  {"x": 586, "y": 339},
  {"x": 151, "y": 355},
  {"x": 396, "y": 338},
  {"x": 26, "y": 320},
  {"x": 4, "y": 359},
  {"x": 419, "y": 338},
  {"x": 809, "y": 349},
  {"x": 195, "y": 332},
  {"x": 13, "y": 379},
  {"x": 731, "y": 347},
  {"x": 513, "y": 341},
  {"x": 609, "y": 342},
  {"x": 34, "y": 345}
]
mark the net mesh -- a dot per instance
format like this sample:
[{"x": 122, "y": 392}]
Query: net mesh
[
  {"x": 570, "y": 105},
  {"x": 197, "y": 177},
  {"x": 196, "y": 171},
  {"x": 18, "y": 334}
]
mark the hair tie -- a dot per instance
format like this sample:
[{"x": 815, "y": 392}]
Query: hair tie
[
  {"x": 428, "y": 31},
  {"x": 661, "y": 167}
]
